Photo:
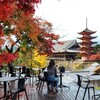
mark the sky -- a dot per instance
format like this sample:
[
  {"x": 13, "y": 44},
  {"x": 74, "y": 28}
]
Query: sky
[{"x": 68, "y": 17}]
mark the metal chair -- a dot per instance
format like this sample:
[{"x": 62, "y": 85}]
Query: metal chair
[
  {"x": 85, "y": 85},
  {"x": 17, "y": 86},
  {"x": 96, "y": 97},
  {"x": 42, "y": 81}
]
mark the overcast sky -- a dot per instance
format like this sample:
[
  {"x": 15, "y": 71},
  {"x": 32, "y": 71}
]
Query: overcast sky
[{"x": 68, "y": 17}]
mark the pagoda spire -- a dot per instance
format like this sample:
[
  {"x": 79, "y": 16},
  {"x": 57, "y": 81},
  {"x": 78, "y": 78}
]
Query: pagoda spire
[{"x": 86, "y": 22}]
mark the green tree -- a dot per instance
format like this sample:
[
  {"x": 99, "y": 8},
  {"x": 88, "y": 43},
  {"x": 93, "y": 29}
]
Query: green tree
[{"x": 97, "y": 48}]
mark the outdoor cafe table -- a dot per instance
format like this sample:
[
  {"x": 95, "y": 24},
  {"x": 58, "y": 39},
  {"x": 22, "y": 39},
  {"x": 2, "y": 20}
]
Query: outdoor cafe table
[
  {"x": 6, "y": 79},
  {"x": 36, "y": 69},
  {"x": 94, "y": 79}
]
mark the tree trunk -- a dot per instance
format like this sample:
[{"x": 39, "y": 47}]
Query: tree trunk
[{"x": 11, "y": 69}]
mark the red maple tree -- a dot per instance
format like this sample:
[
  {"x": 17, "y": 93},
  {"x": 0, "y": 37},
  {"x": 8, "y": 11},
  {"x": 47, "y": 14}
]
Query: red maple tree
[
  {"x": 7, "y": 8},
  {"x": 16, "y": 18}
]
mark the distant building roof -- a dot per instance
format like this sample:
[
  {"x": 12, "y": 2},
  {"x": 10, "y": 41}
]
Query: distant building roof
[{"x": 68, "y": 46}]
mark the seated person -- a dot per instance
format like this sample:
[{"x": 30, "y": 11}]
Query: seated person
[{"x": 52, "y": 73}]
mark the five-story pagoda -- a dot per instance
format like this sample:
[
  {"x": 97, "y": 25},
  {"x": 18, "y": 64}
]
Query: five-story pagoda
[{"x": 86, "y": 44}]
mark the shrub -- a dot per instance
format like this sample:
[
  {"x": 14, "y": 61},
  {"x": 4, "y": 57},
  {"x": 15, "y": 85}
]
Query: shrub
[{"x": 78, "y": 66}]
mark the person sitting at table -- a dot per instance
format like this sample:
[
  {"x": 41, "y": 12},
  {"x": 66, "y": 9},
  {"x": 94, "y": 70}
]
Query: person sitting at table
[{"x": 52, "y": 74}]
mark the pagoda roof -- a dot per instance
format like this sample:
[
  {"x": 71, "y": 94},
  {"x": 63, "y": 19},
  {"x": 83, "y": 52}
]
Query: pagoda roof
[
  {"x": 89, "y": 43},
  {"x": 68, "y": 46},
  {"x": 86, "y": 31},
  {"x": 84, "y": 54},
  {"x": 87, "y": 37},
  {"x": 86, "y": 48}
]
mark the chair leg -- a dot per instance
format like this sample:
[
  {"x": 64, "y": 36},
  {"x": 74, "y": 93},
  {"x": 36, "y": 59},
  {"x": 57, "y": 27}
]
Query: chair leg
[
  {"x": 94, "y": 92},
  {"x": 48, "y": 87},
  {"x": 40, "y": 85},
  {"x": 88, "y": 93},
  {"x": 14, "y": 97},
  {"x": 84, "y": 94},
  {"x": 97, "y": 98},
  {"x": 18, "y": 96},
  {"x": 77, "y": 93},
  {"x": 26, "y": 95},
  {"x": 94, "y": 97}
]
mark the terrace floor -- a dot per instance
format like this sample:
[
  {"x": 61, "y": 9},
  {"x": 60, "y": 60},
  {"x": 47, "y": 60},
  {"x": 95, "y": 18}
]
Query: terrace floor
[{"x": 63, "y": 93}]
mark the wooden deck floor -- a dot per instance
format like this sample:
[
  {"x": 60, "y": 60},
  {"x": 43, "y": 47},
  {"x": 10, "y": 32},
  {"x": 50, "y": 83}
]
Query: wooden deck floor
[{"x": 63, "y": 94}]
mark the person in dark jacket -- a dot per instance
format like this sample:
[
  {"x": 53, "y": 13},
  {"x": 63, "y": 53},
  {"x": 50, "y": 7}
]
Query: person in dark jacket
[{"x": 52, "y": 73}]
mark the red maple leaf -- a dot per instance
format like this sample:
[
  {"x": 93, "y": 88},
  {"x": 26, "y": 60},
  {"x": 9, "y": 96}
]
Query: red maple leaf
[{"x": 7, "y": 57}]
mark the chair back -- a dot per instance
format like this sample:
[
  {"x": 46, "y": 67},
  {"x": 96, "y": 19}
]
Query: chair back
[
  {"x": 24, "y": 70},
  {"x": 28, "y": 73},
  {"x": 82, "y": 80},
  {"x": 79, "y": 80},
  {"x": 46, "y": 76},
  {"x": 12, "y": 71},
  {"x": 17, "y": 84},
  {"x": 21, "y": 83}
]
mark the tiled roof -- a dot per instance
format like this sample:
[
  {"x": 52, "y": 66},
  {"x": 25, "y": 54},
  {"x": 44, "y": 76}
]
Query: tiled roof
[{"x": 70, "y": 46}]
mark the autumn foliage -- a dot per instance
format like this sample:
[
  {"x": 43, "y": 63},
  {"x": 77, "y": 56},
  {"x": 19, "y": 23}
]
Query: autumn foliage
[
  {"x": 32, "y": 59},
  {"x": 17, "y": 18},
  {"x": 95, "y": 57},
  {"x": 7, "y": 7},
  {"x": 7, "y": 57},
  {"x": 38, "y": 61}
]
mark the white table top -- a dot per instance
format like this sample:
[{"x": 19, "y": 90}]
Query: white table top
[
  {"x": 4, "y": 79},
  {"x": 17, "y": 67},
  {"x": 35, "y": 69},
  {"x": 94, "y": 77}
]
